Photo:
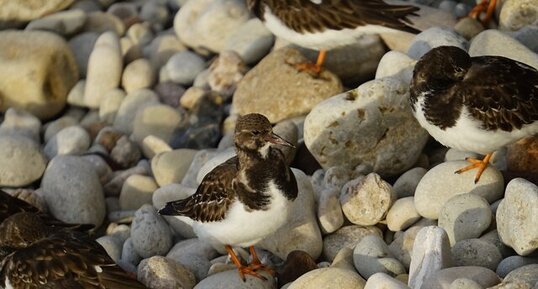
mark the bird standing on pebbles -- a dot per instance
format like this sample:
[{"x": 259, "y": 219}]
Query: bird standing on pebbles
[
  {"x": 245, "y": 198},
  {"x": 328, "y": 24},
  {"x": 477, "y": 104}
]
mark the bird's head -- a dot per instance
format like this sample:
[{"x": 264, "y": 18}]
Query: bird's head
[
  {"x": 442, "y": 66},
  {"x": 254, "y": 133},
  {"x": 22, "y": 229}
]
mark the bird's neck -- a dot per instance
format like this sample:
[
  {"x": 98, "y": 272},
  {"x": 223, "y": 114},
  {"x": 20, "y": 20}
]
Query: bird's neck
[{"x": 251, "y": 158}]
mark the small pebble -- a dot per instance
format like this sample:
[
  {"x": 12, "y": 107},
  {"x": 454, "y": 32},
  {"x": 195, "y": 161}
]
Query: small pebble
[
  {"x": 348, "y": 237},
  {"x": 171, "y": 167},
  {"x": 72, "y": 140},
  {"x": 511, "y": 263},
  {"x": 159, "y": 272},
  {"x": 406, "y": 184},
  {"x": 183, "y": 67},
  {"x": 476, "y": 252},
  {"x": 402, "y": 214},
  {"x": 20, "y": 122},
  {"x": 137, "y": 191},
  {"x": 372, "y": 255},
  {"x": 138, "y": 74},
  {"x": 150, "y": 234},
  {"x": 194, "y": 255}
]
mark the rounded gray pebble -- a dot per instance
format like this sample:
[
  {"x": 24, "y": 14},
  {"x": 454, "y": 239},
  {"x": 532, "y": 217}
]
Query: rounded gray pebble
[
  {"x": 71, "y": 140},
  {"x": 21, "y": 161},
  {"x": 406, "y": 184},
  {"x": 476, "y": 252},
  {"x": 511, "y": 263},
  {"x": 372, "y": 255},
  {"x": 150, "y": 234},
  {"x": 184, "y": 66}
]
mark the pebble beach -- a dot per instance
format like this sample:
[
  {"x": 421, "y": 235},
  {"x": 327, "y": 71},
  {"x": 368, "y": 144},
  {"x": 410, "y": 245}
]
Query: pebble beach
[{"x": 109, "y": 109}]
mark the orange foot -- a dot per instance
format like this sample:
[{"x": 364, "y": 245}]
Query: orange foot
[
  {"x": 256, "y": 264},
  {"x": 243, "y": 270},
  {"x": 313, "y": 69},
  {"x": 480, "y": 164},
  {"x": 486, "y": 5}
]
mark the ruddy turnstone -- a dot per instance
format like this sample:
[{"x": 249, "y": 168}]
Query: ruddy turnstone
[
  {"x": 327, "y": 24},
  {"x": 477, "y": 104},
  {"x": 35, "y": 255},
  {"x": 246, "y": 198}
]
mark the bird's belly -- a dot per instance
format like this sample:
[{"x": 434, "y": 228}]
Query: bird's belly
[
  {"x": 328, "y": 39},
  {"x": 467, "y": 134},
  {"x": 245, "y": 228}
]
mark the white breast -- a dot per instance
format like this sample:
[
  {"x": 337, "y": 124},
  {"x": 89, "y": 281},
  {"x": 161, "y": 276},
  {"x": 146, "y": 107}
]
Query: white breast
[
  {"x": 245, "y": 228},
  {"x": 467, "y": 134},
  {"x": 327, "y": 39}
]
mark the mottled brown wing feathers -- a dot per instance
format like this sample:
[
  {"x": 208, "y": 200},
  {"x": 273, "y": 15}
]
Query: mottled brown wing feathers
[
  {"x": 212, "y": 198},
  {"x": 10, "y": 205},
  {"x": 501, "y": 93},
  {"x": 306, "y": 16}
]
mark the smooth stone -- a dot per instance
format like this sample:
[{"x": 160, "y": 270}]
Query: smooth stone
[
  {"x": 346, "y": 237},
  {"x": 494, "y": 238},
  {"x": 457, "y": 155},
  {"x": 200, "y": 158},
  {"x": 225, "y": 73},
  {"x": 150, "y": 233},
  {"x": 55, "y": 126},
  {"x": 162, "y": 48},
  {"x": 511, "y": 263},
  {"x": 160, "y": 272},
  {"x": 112, "y": 246},
  {"x": 101, "y": 22},
  {"x": 372, "y": 255},
  {"x": 64, "y": 23},
  {"x": 86, "y": 5},
  {"x": 72, "y": 140},
  {"x": 431, "y": 253},
  {"x": 161, "y": 121},
  {"x": 527, "y": 36},
  {"x": 82, "y": 46},
  {"x": 152, "y": 145},
  {"x": 155, "y": 13},
  {"x": 37, "y": 78},
  {"x": 504, "y": 45},
  {"x": 207, "y": 24},
  {"x": 15, "y": 12},
  {"x": 274, "y": 83},
  {"x": 213, "y": 162},
  {"x": 21, "y": 122},
  {"x": 326, "y": 278},
  {"x": 301, "y": 232},
  {"x": 384, "y": 281},
  {"x": 435, "y": 37},
  {"x": 110, "y": 105},
  {"x": 442, "y": 279},
  {"x": 180, "y": 225},
  {"x": 516, "y": 216},
  {"x": 407, "y": 183},
  {"x": 370, "y": 126},
  {"x": 183, "y": 67},
  {"x": 140, "y": 34},
  {"x": 133, "y": 103},
  {"x": 202, "y": 79},
  {"x": 527, "y": 274},
  {"x": 367, "y": 200},
  {"x": 468, "y": 27},
  {"x": 195, "y": 255},
  {"x": 252, "y": 41},
  {"x": 464, "y": 283},
  {"x": 402, "y": 245},
  {"x": 129, "y": 254},
  {"x": 21, "y": 161},
  {"x": 113, "y": 187},
  {"x": 125, "y": 153},
  {"x": 336, "y": 177},
  {"x": 440, "y": 184},
  {"x": 465, "y": 216},
  {"x": 138, "y": 74},
  {"x": 402, "y": 214},
  {"x": 230, "y": 280},
  {"x": 396, "y": 64},
  {"x": 105, "y": 66},
  {"x": 126, "y": 12},
  {"x": 344, "y": 259},
  {"x": 73, "y": 191},
  {"x": 137, "y": 191},
  {"x": 476, "y": 252},
  {"x": 522, "y": 156},
  {"x": 171, "y": 167},
  {"x": 516, "y": 14},
  {"x": 330, "y": 216},
  {"x": 170, "y": 93}
]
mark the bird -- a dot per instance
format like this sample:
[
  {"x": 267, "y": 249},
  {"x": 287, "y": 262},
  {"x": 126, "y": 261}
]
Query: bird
[
  {"x": 485, "y": 5},
  {"x": 34, "y": 255},
  {"x": 246, "y": 198},
  {"x": 326, "y": 24},
  {"x": 477, "y": 104}
]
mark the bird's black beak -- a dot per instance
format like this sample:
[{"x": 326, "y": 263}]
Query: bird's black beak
[{"x": 275, "y": 139}]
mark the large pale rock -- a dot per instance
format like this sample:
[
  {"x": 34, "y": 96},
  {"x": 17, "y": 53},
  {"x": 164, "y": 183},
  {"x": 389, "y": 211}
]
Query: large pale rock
[
  {"x": 435, "y": 37},
  {"x": 442, "y": 279},
  {"x": 370, "y": 125},
  {"x": 476, "y": 252},
  {"x": 516, "y": 216},
  {"x": 301, "y": 232},
  {"x": 207, "y": 24},
  {"x": 252, "y": 41},
  {"x": 105, "y": 66},
  {"x": 171, "y": 167},
  {"x": 195, "y": 255},
  {"x": 441, "y": 183},
  {"x": 36, "y": 78},
  {"x": 495, "y": 42},
  {"x": 21, "y": 161},
  {"x": 515, "y": 14},
  {"x": 402, "y": 214},
  {"x": 275, "y": 89},
  {"x": 64, "y": 23},
  {"x": 14, "y": 12},
  {"x": 431, "y": 253},
  {"x": 161, "y": 273},
  {"x": 326, "y": 278},
  {"x": 230, "y": 280}
]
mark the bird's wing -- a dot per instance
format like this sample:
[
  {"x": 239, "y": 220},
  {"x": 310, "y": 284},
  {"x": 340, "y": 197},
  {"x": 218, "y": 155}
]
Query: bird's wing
[
  {"x": 10, "y": 205},
  {"x": 307, "y": 16},
  {"x": 64, "y": 262},
  {"x": 500, "y": 92},
  {"x": 212, "y": 198}
]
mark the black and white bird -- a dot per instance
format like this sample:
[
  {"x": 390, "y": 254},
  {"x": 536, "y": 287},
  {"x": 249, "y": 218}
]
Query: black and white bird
[
  {"x": 327, "y": 24},
  {"x": 246, "y": 198},
  {"x": 477, "y": 104},
  {"x": 34, "y": 255}
]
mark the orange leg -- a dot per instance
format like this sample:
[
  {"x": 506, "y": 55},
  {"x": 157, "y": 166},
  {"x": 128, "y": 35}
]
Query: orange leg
[
  {"x": 480, "y": 164},
  {"x": 256, "y": 264},
  {"x": 486, "y": 5},
  {"x": 243, "y": 270},
  {"x": 313, "y": 68}
]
